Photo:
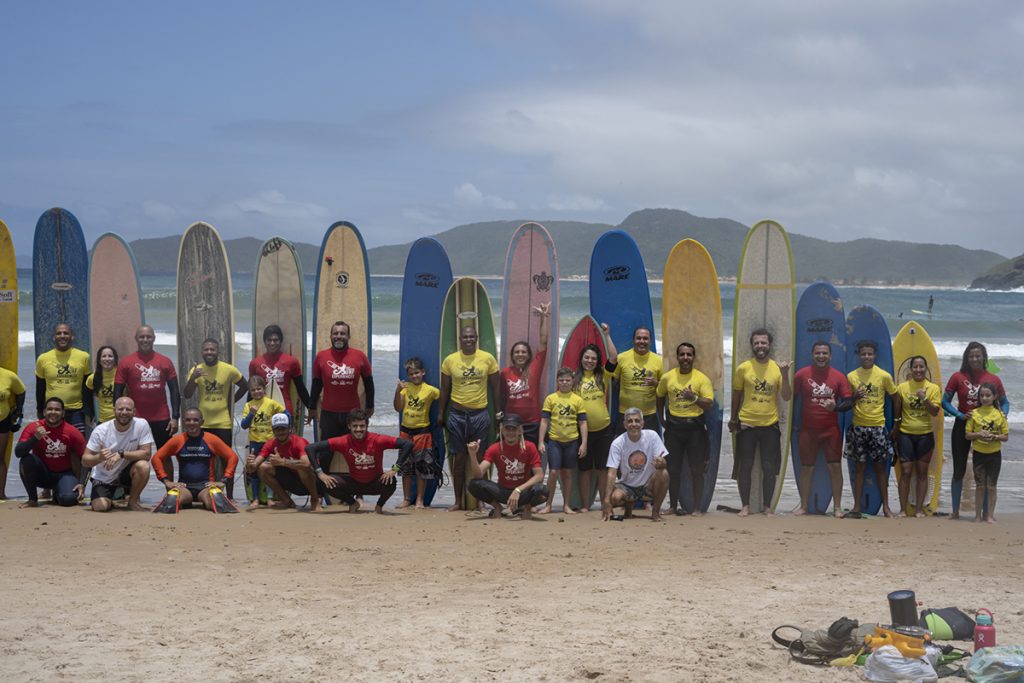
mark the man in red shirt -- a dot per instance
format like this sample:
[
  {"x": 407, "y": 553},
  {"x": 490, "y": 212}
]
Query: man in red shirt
[
  {"x": 284, "y": 466},
  {"x": 824, "y": 392},
  {"x": 336, "y": 373},
  {"x": 517, "y": 462},
  {"x": 149, "y": 378},
  {"x": 50, "y": 451},
  {"x": 282, "y": 368},
  {"x": 363, "y": 451}
]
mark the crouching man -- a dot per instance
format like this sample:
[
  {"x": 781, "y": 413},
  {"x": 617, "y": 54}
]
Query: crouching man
[{"x": 517, "y": 462}]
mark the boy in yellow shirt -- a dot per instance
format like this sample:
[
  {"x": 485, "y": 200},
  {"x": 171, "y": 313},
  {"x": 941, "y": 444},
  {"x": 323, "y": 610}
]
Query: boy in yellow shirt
[
  {"x": 566, "y": 442},
  {"x": 259, "y": 411},
  {"x": 413, "y": 399},
  {"x": 867, "y": 440}
]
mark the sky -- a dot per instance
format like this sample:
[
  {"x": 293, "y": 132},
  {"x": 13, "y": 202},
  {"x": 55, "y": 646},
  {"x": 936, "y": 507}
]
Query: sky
[{"x": 898, "y": 120}]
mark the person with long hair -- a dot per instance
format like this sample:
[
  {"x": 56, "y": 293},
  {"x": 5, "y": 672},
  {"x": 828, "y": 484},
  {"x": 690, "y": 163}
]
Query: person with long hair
[
  {"x": 101, "y": 382},
  {"x": 521, "y": 393},
  {"x": 915, "y": 403},
  {"x": 592, "y": 382}
]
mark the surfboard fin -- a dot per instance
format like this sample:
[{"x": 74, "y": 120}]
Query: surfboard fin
[
  {"x": 169, "y": 504},
  {"x": 221, "y": 502}
]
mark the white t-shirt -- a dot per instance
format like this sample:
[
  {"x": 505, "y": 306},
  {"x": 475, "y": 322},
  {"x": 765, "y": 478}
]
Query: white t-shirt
[
  {"x": 635, "y": 459},
  {"x": 106, "y": 435}
]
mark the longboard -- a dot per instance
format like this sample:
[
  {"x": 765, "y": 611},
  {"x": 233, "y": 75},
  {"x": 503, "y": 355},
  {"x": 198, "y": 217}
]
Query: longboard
[
  {"x": 765, "y": 298},
  {"x": 531, "y": 279},
  {"x": 913, "y": 340},
  {"x": 60, "y": 279},
  {"x": 691, "y": 311},
  {"x": 279, "y": 298},
  {"x": 866, "y": 323},
  {"x": 8, "y": 316},
  {"x": 466, "y": 303},
  {"x": 115, "y": 296},
  {"x": 428, "y": 275},
  {"x": 819, "y": 318}
]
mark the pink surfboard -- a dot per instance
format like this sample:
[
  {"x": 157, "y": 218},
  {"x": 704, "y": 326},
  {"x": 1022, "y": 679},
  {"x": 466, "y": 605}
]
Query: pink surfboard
[
  {"x": 115, "y": 298},
  {"x": 531, "y": 279}
]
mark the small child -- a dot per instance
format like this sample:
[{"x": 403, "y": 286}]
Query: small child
[
  {"x": 563, "y": 413},
  {"x": 413, "y": 399},
  {"x": 986, "y": 427},
  {"x": 258, "y": 413}
]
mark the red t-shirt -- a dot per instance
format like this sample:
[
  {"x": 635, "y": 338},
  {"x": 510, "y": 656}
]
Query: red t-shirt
[
  {"x": 61, "y": 443},
  {"x": 965, "y": 386},
  {"x": 513, "y": 464},
  {"x": 340, "y": 372},
  {"x": 365, "y": 458},
  {"x": 289, "y": 450},
  {"x": 146, "y": 378},
  {"x": 814, "y": 385},
  {"x": 280, "y": 367},
  {"x": 523, "y": 392}
]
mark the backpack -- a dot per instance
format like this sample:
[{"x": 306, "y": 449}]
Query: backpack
[
  {"x": 843, "y": 638},
  {"x": 947, "y": 623}
]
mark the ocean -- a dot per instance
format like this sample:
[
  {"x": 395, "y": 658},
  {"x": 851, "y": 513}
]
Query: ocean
[{"x": 959, "y": 316}]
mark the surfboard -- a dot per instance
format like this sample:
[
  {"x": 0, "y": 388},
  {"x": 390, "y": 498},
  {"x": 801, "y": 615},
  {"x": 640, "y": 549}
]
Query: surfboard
[
  {"x": 819, "y": 317},
  {"x": 765, "y": 298},
  {"x": 531, "y": 279},
  {"x": 691, "y": 311},
  {"x": 60, "y": 279},
  {"x": 115, "y": 296},
  {"x": 204, "y": 300},
  {"x": 279, "y": 298},
  {"x": 913, "y": 340},
  {"x": 8, "y": 316},
  {"x": 466, "y": 303},
  {"x": 619, "y": 293},
  {"x": 866, "y": 323},
  {"x": 428, "y": 275}
]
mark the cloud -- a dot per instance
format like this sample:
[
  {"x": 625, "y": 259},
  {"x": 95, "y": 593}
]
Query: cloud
[
  {"x": 468, "y": 195},
  {"x": 575, "y": 202},
  {"x": 269, "y": 206}
]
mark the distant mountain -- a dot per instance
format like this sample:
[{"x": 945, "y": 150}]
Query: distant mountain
[
  {"x": 159, "y": 255},
  {"x": 1006, "y": 275}
]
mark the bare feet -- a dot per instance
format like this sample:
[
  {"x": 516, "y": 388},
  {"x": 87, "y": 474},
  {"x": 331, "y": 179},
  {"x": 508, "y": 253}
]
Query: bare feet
[
  {"x": 919, "y": 514},
  {"x": 799, "y": 511},
  {"x": 282, "y": 505},
  {"x": 744, "y": 511},
  {"x": 404, "y": 504},
  {"x": 837, "y": 513},
  {"x": 696, "y": 513},
  {"x": 495, "y": 513},
  {"x": 978, "y": 520},
  {"x": 768, "y": 512},
  {"x": 354, "y": 507},
  {"x": 454, "y": 508},
  {"x": 888, "y": 513},
  {"x": 254, "y": 505},
  {"x": 568, "y": 510},
  {"x": 656, "y": 517},
  {"x": 135, "y": 506},
  {"x": 991, "y": 520},
  {"x": 544, "y": 510},
  {"x": 420, "y": 506},
  {"x": 29, "y": 504},
  {"x": 955, "y": 515}
]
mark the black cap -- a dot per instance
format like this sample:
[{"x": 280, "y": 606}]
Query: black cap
[{"x": 511, "y": 420}]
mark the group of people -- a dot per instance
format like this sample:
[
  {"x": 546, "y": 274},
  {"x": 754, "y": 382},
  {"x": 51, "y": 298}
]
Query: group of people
[{"x": 655, "y": 445}]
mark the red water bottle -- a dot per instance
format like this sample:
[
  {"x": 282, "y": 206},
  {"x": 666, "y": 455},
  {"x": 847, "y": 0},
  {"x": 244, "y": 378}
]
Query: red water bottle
[{"x": 984, "y": 630}]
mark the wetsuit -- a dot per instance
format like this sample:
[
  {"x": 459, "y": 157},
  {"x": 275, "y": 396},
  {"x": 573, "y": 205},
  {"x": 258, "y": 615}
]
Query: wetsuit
[{"x": 196, "y": 455}]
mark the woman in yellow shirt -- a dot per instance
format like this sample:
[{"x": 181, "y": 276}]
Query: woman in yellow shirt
[
  {"x": 101, "y": 382},
  {"x": 915, "y": 403}
]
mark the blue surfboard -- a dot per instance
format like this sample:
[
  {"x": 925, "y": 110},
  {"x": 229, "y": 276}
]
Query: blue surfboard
[
  {"x": 819, "y": 317},
  {"x": 60, "y": 279},
  {"x": 865, "y": 322},
  {"x": 428, "y": 275}
]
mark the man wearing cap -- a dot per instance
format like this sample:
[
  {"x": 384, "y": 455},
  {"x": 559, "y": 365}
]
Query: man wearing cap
[
  {"x": 517, "y": 462},
  {"x": 284, "y": 466},
  {"x": 637, "y": 458}
]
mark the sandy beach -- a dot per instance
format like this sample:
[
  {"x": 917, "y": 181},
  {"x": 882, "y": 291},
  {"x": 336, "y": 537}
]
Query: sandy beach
[{"x": 439, "y": 596}]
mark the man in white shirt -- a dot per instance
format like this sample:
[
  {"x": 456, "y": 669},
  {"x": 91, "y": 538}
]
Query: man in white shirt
[
  {"x": 119, "y": 452},
  {"x": 637, "y": 458}
]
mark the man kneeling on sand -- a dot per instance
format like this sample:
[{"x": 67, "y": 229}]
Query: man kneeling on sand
[
  {"x": 363, "y": 450},
  {"x": 638, "y": 458},
  {"x": 285, "y": 467},
  {"x": 512, "y": 457},
  {"x": 118, "y": 453},
  {"x": 196, "y": 451}
]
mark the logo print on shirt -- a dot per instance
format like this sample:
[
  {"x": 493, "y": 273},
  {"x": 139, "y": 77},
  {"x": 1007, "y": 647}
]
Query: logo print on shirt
[
  {"x": 362, "y": 461},
  {"x": 761, "y": 386},
  {"x": 469, "y": 372},
  {"x": 64, "y": 370},
  {"x": 212, "y": 386},
  {"x": 565, "y": 410},
  {"x": 414, "y": 402},
  {"x": 514, "y": 469},
  {"x": 639, "y": 373},
  {"x": 272, "y": 374},
  {"x": 341, "y": 373},
  {"x": 518, "y": 387},
  {"x": 636, "y": 461},
  {"x": 55, "y": 449}
]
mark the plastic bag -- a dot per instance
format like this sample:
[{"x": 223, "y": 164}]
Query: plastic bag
[
  {"x": 1000, "y": 664},
  {"x": 887, "y": 665}
]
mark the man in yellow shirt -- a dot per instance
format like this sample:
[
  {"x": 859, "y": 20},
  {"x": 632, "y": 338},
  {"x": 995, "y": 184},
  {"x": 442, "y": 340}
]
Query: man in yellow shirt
[
  {"x": 757, "y": 386},
  {"x": 469, "y": 383},
  {"x": 61, "y": 372},
  {"x": 637, "y": 375}
]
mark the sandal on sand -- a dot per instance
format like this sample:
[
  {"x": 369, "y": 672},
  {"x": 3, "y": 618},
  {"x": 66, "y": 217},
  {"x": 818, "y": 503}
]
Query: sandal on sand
[{"x": 852, "y": 515}]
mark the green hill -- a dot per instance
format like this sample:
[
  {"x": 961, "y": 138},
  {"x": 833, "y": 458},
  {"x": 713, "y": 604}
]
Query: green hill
[{"x": 1006, "y": 275}]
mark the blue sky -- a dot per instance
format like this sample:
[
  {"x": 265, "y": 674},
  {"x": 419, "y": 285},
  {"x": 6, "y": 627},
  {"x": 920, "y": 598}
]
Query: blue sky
[{"x": 841, "y": 120}]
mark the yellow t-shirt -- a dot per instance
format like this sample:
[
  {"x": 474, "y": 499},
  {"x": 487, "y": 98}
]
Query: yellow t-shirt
[
  {"x": 869, "y": 411},
  {"x": 990, "y": 419},
  {"x": 216, "y": 389},
  {"x": 595, "y": 399},
  {"x": 105, "y": 394},
  {"x": 563, "y": 412},
  {"x": 760, "y": 384},
  {"x": 418, "y": 399},
  {"x": 630, "y": 373},
  {"x": 672, "y": 385},
  {"x": 260, "y": 430},
  {"x": 469, "y": 377},
  {"x": 10, "y": 386},
  {"x": 64, "y": 372},
  {"x": 916, "y": 419}
]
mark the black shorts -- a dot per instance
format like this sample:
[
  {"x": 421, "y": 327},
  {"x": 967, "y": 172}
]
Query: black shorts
[
  {"x": 103, "y": 490},
  {"x": 7, "y": 424},
  {"x": 986, "y": 468},
  {"x": 331, "y": 425},
  {"x": 916, "y": 447}
]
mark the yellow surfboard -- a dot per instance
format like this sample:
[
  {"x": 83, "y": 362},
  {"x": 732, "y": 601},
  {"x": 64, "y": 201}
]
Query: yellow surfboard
[
  {"x": 913, "y": 340},
  {"x": 8, "y": 315}
]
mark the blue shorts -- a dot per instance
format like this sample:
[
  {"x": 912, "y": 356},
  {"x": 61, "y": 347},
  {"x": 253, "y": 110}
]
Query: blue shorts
[
  {"x": 562, "y": 455},
  {"x": 466, "y": 427}
]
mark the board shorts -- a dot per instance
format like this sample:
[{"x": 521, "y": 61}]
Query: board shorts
[
  {"x": 7, "y": 424},
  {"x": 916, "y": 447},
  {"x": 562, "y": 455},
  {"x": 868, "y": 444},
  {"x": 635, "y": 493},
  {"x": 422, "y": 449},
  {"x": 104, "y": 490},
  {"x": 830, "y": 441},
  {"x": 465, "y": 427},
  {"x": 986, "y": 468}
]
